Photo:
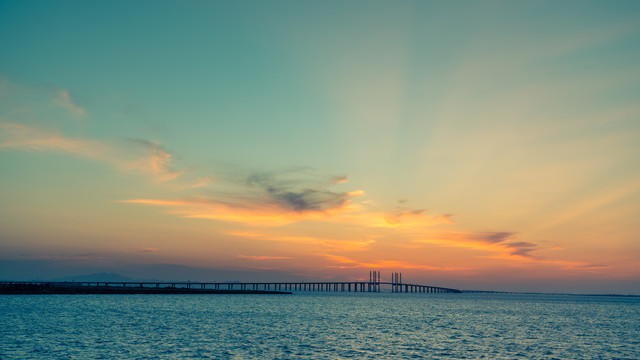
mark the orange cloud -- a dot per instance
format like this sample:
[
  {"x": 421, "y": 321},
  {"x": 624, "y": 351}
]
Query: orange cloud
[
  {"x": 346, "y": 262},
  {"x": 258, "y": 212},
  {"x": 145, "y": 249},
  {"x": 249, "y": 234},
  {"x": 329, "y": 244},
  {"x": 503, "y": 247},
  {"x": 259, "y": 257},
  {"x": 340, "y": 179},
  {"x": 249, "y": 211},
  {"x": 208, "y": 209},
  {"x": 569, "y": 265},
  {"x": 356, "y": 193},
  {"x": 496, "y": 242},
  {"x": 408, "y": 219}
]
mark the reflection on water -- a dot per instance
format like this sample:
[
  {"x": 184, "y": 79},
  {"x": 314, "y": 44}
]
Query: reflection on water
[{"x": 319, "y": 326}]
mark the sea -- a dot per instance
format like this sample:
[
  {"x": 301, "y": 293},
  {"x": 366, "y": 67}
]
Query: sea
[{"x": 320, "y": 326}]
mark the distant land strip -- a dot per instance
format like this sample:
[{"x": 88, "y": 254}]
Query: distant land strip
[{"x": 53, "y": 289}]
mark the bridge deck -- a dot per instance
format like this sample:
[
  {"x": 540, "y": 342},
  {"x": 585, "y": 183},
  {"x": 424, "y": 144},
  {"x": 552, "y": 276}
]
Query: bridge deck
[{"x": 340, "y": 286}]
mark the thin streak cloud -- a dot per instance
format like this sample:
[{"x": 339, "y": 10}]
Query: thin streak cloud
[{"x": 27, "y": 138}]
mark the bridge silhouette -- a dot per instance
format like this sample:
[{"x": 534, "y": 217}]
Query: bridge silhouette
[{"x": 374, "y": 284}]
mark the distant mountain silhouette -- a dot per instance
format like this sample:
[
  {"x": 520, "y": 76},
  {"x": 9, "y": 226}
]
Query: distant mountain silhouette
[
  {"x": 95, "y": 277},
  {"x": 50, "y": 270}
]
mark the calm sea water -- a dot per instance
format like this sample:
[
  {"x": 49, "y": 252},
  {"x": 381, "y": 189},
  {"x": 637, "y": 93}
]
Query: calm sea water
[{"x": 319, "y": 326}]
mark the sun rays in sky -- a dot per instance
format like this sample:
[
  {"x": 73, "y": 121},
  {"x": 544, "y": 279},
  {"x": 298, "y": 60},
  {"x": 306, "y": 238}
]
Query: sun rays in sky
[{"x": 476, "y": 144}]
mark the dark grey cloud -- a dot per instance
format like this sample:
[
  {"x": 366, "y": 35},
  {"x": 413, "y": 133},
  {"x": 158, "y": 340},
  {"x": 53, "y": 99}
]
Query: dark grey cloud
[
  {"x": 592, "y": 266},
  {"x": 493, "y": 237},
  {"x": 293, "y": 194},
  {"x": 521, "y": 248},
  {"x": 503, "y": 238}
]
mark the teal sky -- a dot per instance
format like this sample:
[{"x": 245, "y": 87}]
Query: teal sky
[{"x": 454, "y": 141}]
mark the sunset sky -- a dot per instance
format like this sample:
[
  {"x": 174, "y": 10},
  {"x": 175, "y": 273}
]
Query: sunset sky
[{"x": 472, "y": 144}]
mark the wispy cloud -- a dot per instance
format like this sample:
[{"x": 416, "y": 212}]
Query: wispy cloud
[
  {"x": 65, "y": 101},
  {"x": 340, "y": 179},
  {"x": 135, "y": 156},
  {"x": 25, "y": 109},
  {"x": 152, "y": 158},
  {"x": 201, "y": 182}
]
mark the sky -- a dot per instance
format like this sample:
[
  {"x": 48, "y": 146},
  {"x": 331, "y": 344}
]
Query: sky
[{"x": 487, "y": 145}]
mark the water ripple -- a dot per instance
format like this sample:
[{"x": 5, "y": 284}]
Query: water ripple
[{"x": 319, "y": 326}]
